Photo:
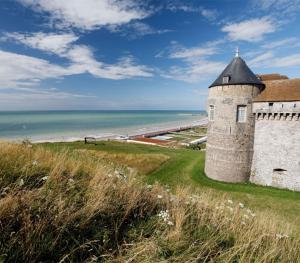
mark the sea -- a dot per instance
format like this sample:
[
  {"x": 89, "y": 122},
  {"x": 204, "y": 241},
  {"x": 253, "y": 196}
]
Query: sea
[{"x": 53, "y": 126}]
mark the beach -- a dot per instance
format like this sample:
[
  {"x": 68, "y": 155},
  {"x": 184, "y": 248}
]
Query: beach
[{"x": 39, "y": 127}]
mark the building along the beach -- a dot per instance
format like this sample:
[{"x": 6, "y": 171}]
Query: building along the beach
[{"x": 254, "y": 128}]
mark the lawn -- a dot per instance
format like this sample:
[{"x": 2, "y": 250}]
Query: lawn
[{"x": 184, "y": 167}]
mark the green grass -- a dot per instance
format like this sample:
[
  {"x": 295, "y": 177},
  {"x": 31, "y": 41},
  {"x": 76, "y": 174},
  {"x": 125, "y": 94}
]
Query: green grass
[
  {"x": 73, "y": 202},
  {"x": 186, "y": 167}
]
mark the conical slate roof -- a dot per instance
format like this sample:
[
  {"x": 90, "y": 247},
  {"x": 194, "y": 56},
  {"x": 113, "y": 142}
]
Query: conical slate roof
[{"x": 237, "y": 73}]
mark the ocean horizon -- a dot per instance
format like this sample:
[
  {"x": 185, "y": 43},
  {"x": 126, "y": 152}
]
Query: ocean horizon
[{"x": 70, "y": 125}]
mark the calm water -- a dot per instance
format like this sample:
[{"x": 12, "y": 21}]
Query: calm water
[{"x": 47, "y": 125}]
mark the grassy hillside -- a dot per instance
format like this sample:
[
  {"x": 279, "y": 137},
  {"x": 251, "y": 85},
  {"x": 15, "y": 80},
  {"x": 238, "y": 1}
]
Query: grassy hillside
[
  {"x": 183, "y": 167},
  {"x": 78, "y": 203}
]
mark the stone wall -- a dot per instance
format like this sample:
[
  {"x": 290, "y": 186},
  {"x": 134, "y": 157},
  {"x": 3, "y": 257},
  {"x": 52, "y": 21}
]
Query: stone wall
[
  {"x": 276, "y": 158},
  {"x": 230, "y": 144}
]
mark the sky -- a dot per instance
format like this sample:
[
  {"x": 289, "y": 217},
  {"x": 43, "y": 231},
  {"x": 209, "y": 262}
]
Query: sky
[{"x": 137, "y": 54}]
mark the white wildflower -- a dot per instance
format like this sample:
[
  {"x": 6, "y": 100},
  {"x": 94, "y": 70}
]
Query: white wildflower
[
  {"x": 170, "y": 223},
  {"x": 165, "y": 216},
  {"x": 241, "y": 205},
  {"x": 229, "y": 201},
  {"x": 159, "y": 196},
  {"x": 149, "y": 186},
  {"x": 110, "y": 176},
  {"x": 71, "y": 181},
  {"x": 249, "y": 211},
  {"x": 21, "y": 182},
  {"x": 35, "y": 162},
  {"x": 44, "y": 178},
  {"x": 120, "y": 175},
  {"x": 280, "y": 236},
  {"x": 243, "y": 223}
]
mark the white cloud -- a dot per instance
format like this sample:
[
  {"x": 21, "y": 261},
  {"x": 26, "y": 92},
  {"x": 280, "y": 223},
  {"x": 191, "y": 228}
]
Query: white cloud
[
  {"x": 89, "y": 14},
  {"x": 51, "y": 42},
  {"x": 138, "y": 29},
  {"x": 287, "y": 42},
  {"x": 209, "y": 14},
  {"x": 83, "y": 60},
  {"x": 19, "y": 70},
  {"x": 281, "y": 7},
  {"x": 269, "y": 60},
  {"x": 288, "y": 61},
  {"x": 196, "y": 66},
  {"x": 177, "y": 6},
  {"x": 252, "y": 30},
  {"x": 23, "y": 98},
  {"x": 261, "y": 59},
  {"x": 195, "y": 72},
  {"x": 143, "y": 29},
  {"x": 196, "y": 52}
]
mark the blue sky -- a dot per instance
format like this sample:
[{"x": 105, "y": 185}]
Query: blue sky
[{"x": 136, "y": 54}]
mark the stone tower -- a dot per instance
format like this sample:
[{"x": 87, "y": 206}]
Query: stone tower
[{"x": 231, "y": 123}]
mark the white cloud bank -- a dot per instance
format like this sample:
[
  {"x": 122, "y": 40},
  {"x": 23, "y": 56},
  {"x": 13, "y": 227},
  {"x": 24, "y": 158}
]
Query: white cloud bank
[
  {"x": 51, "y": 42},
  {"x": 196, "y": 71},
  {"x": 192, "y": 53},
  {"x": 20, "y": 70},
  {"x": 279, "y": 8},
  {"x": 196, "y": 64},
  {"x": 269, "y": 60},
  {"x": 88, "y": 14},
  {"x": 252, "y": 30}
]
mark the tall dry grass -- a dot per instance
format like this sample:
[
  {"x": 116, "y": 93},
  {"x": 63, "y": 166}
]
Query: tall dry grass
[{"x": 71, "y": 207}]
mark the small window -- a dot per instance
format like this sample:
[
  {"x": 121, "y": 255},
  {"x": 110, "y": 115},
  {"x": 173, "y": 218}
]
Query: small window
[
  {"x": 211, "y": 113},
  {"x": 279, "y": 170},
  {"x": 271, "y": 105},
  {"x": 241, "y": 113},
  {"x": 226, "y": 79}
]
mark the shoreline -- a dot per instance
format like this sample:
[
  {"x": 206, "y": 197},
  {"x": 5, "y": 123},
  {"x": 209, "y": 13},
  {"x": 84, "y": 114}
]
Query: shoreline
[{"x": 118, "y": 133}]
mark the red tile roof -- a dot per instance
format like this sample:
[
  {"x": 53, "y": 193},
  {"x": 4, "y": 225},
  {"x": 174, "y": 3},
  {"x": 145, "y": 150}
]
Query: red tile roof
[{"x": 280, "y": 90}]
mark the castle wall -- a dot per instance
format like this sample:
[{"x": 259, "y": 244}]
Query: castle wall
[
  {"x": 229, "y": 146},
  {"x": 276, "y": 158}
]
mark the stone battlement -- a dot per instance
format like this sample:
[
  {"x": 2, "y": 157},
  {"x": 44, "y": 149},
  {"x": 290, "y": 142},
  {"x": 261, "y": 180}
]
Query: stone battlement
[{"x": 273, "y": 116}]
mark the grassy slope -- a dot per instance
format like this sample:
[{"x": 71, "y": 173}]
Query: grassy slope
[
  {"x": 186, "y": 167},
  {"x": 86, "y": 205}
]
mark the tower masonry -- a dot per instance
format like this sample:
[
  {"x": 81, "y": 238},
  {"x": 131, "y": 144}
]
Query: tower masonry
[{"x": 230, "y": 141}]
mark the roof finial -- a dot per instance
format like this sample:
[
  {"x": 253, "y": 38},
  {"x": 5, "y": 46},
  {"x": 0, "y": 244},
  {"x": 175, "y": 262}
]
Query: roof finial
[{"x": 237, "y": 52}]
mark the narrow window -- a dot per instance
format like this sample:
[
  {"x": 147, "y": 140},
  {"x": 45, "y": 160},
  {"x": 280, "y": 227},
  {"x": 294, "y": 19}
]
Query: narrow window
[
  {"x": 226, "y": 79},
  {"x": 241, "y": 113},
  {"x": 271, "y": 105},
  {"x": 279, "y": 170},
  {"x": 211, "y": 112}
]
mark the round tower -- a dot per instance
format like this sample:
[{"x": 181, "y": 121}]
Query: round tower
[{"x": 231, "y": 123}]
